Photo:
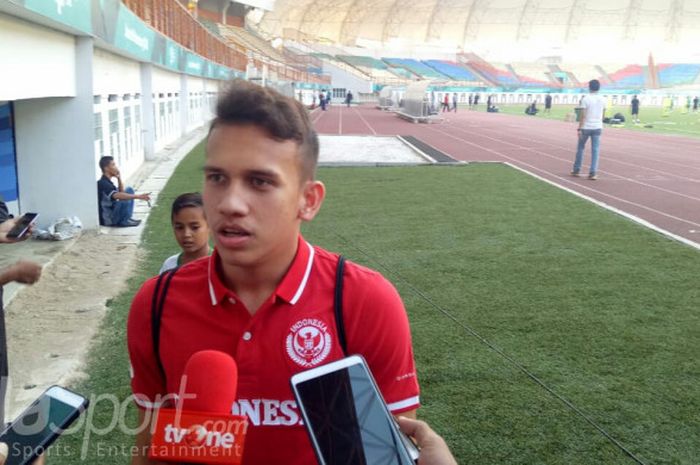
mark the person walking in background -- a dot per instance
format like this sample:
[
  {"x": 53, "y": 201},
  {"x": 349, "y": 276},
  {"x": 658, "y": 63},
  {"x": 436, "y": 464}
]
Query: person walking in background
[
  {"x": 471, "y": 101},
  {"x": 446, "y": 103},
  {"x": 348, "y": 98},
  {"x": 635, "y": 109},
  {"x": 590, "y": 126},
  {"x": 548, "y": 104},
  {"x": 476, "y": 100},
  {"x": 454, "y": 102},
  {"x": 696, "y": 102},
  {"x": 322, "y": 101}
]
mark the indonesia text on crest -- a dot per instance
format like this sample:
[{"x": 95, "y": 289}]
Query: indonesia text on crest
[{"x": 308, "y": 342}]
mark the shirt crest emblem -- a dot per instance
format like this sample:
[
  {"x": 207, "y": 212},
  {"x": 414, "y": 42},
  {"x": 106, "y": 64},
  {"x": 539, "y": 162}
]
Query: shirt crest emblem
[{"x": 308, "y": 342}]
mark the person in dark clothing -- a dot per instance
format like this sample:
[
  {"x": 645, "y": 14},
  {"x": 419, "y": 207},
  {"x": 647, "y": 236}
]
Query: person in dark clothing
[
  {"x": 635, "y": 109},
  {"x": 471, "y": 101},
  {"x": 348, "y": 98},
  {"x": 696, "y": 102},
  {"x": 116, "y": 203},
  {"x": 531, "y": 109},
  {"x": 548, "y": 103},
  {"x": 476, "y": 100}
]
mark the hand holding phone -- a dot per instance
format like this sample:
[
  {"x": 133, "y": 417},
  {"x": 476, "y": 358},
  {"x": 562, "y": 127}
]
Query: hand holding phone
[
  {"x": 30, "y": 434},
  {"x": 346, "y": 417},
  {"x": 21, "y": 226}
]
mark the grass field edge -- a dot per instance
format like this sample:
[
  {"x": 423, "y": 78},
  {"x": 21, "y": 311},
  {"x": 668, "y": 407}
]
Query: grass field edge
[{"x": 629, "y": 216}]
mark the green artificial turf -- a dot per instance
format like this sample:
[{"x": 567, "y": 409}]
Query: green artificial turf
[{"x": 601, "y": 310}]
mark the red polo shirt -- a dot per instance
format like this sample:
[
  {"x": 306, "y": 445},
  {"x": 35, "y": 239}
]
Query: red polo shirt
[{"x": 292, "y": 331}]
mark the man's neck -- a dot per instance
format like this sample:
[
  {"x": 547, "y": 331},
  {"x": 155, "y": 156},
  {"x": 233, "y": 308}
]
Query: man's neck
[{"x": 255, "y": 284}]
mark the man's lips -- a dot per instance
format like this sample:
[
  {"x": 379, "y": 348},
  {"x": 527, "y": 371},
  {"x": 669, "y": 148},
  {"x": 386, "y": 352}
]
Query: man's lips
[{"x": 232, "y": 231}]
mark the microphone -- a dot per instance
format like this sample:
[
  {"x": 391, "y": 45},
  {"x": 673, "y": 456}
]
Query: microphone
[{"x": 201, "y": 429}]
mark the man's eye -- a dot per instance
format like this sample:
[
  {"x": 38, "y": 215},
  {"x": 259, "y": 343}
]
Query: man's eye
[
  {"x": 260, "y": 182},
  {"x": 215, "y": 177}
]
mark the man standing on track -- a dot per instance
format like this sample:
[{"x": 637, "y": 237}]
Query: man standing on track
[
  {"x": 590, "y": 126},
  {"x": 635, "y": 109}
]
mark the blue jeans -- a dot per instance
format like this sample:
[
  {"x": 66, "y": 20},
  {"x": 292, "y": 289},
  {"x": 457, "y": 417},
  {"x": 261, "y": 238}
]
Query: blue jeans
[
  {"x": 123, "y": 209},
  {"x": 594, "y": 134}
]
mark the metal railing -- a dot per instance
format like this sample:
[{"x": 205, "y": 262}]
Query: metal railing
[{"x": 172, "y": 19}]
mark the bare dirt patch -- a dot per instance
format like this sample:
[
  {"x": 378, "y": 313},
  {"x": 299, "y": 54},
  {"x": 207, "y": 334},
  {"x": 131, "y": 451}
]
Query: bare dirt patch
[{"x": 50, "y": 325}]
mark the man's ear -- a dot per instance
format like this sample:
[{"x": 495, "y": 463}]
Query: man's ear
[{"x": 312, "y": 197}]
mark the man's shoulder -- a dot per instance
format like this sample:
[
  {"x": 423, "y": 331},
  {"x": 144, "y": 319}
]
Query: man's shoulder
[
  {"x": 105, "y": 183},
  {"x": 358, "y": 279},
  {"x": 187, "y": 277},
  {"x": 329, "y": 259}
]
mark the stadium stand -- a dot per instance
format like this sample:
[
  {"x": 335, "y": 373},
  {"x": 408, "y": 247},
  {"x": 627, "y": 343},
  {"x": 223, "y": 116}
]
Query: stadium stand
[
  {"x": 376, "y": 69},
  {"x": 417, "y": 68},
  {"x": 211, "y": 26},
  {"x": 252, "y": 42},
  {"x": 495, "y": 73},
  {"x": 678, "y": 74},
  {"x": 452, "y": 70},
  {"x": 631, "y": 76},
  {"x": 582, "y": 73},
  {"x": 533, "y": 75}
]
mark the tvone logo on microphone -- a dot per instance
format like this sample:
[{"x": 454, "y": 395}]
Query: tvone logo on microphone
[{"x": 199, "y": 436}]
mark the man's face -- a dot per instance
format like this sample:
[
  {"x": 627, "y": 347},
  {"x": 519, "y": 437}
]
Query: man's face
[
  {"x": 253, "y": 194},
  {"x": 111, "y": 170}
]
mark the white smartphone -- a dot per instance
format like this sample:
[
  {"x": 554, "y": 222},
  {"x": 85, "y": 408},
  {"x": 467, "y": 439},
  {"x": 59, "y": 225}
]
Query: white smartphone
[
  {"x": 30, "y": 434},
  {"x": 346, "y": 417}
]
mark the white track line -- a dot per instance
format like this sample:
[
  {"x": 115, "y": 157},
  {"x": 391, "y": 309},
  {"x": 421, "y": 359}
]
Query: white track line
[
  {"x": 607, "y": 158},
  {"x": 520, "y": 162},
  {"x": 629, "y": 216},
  {"x": 340, "y": 121},
  {"x": 365, "y": 121},
  {"x": 568, "y": 161}
]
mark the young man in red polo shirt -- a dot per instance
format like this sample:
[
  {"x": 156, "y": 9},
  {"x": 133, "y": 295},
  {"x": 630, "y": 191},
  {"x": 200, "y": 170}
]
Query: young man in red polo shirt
[{"x": 265, "y": 295}]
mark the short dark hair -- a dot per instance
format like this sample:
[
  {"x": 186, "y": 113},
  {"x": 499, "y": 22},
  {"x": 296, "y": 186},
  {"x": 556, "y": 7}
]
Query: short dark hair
[
  {"x": 186, "y": 200},
  {"x": 105, "y": 161},
  {"x": 282, "y": 117},
  {"x": 594, "y": 85}
]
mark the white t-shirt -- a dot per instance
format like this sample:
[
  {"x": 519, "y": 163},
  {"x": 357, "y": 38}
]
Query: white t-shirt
[
  {"x": 170, "y": 263},
  {"x": 595, "y": 107}
]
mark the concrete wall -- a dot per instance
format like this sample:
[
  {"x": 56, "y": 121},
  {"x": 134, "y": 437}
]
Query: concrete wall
[
  {"x": 55, "y": 158},
  {"x": 35, "y": 61}
]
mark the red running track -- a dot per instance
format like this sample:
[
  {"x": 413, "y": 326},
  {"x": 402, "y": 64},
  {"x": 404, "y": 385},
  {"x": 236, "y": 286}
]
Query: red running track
[{"x": 655, "y": 177}]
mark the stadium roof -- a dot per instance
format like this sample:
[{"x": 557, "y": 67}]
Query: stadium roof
[{"x": 548, "y": 26}]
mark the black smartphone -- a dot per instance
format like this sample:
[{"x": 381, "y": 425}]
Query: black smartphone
[
  {"x": 30, "y": 434},
  {"x": 346, "y": 417},
  {"x": 22, "y": 226}
]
